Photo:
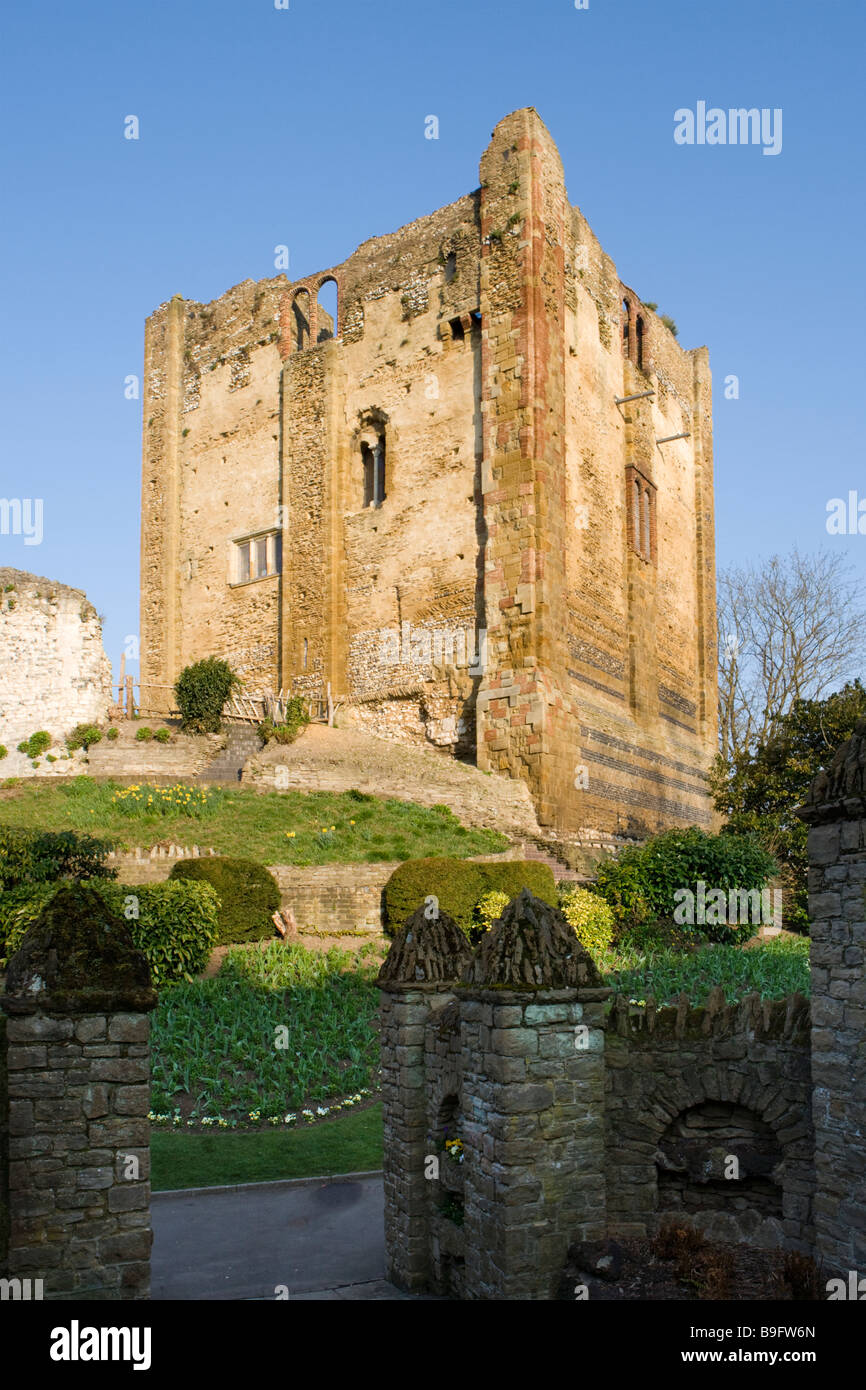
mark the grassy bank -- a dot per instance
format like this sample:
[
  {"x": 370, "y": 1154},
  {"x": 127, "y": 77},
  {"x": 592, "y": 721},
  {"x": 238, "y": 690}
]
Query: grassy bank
[
  {"x": 352, "y": 1143},
  {"x": 271, "y": 827}
]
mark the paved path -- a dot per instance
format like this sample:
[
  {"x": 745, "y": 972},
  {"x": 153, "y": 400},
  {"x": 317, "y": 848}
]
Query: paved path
[{"x": 321, "y": 1237}]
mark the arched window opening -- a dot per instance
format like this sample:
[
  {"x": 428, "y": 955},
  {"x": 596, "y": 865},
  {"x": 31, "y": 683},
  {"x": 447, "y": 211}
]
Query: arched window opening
[
  {"x": 450, "y": 266},
  {"x": 639, "y": 336},
  {"x": 373, "y": 459},
  {"x": 640, "y": 515},
  {"x": 306, "y": 651},
  {"x": 625, "y": 328},
  {"x": 326, "y": 302},
  {"x": 301, "y": 320}
]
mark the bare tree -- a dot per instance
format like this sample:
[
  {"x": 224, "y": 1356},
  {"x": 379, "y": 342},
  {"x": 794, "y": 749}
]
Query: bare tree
[{"x": 791, "y": 627}]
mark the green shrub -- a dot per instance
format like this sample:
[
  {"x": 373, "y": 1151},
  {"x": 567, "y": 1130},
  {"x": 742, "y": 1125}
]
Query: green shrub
[
  {"x": 83, "y": 736},
  {"x": 173, "y": 924},
  {"x": 36, "y": 744},
  {"x": 661, "y": 934},
  {"x": 144, "y": 734},
  {"x": 641, "y": 882},
  {"x": 201, "y": 691},
  {"x": 489, "y": 908},
  {"x": 590, "y": 916},
  {"x": 3, "y": 751},
  {"x": 41, "y": 856},
  {"x": 247, "y": 892},
  {"x": 288, "y": 730},
  {"x": 112, "y": 733},
  {"x": 163, "y": 736},
  {"x": 459, "y": 886},
  {"x": 176, "y": 927}
]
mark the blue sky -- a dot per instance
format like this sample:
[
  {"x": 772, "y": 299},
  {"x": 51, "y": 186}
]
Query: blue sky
[{"x": 305, "y": 127}]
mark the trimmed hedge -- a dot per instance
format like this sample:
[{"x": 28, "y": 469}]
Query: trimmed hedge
[
  {"x": 247, "y": 892},
  {"x": 41, "y": 856},
  {"x": 459, "y": 886},
  {"x": 173, "y": 924}
]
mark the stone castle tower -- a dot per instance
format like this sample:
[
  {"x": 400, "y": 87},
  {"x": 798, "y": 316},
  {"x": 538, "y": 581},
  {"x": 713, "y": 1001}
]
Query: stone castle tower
[{"x": 479, "y": 504}]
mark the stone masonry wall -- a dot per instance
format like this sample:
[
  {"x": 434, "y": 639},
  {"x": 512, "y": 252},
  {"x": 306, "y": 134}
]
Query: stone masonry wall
[
  {"x": 690, "y": 1074},
  {"x": 79, "y": 1094},
  {"x": 74, "y": 1135},
  {"x": 54, "y": 673},
  {"x": 835, "y": 812}
]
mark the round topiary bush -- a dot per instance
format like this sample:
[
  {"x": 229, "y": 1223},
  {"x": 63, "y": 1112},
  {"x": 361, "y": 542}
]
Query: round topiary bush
[
  {"x": 201, "y": 691},
  {"x": 113, "y": 733},
  {"x": 162, "y": 736},
  {"x": 591, "y": 917},
  {"x": 248, "y": 896},
  {"x": 144, "y": 734}
]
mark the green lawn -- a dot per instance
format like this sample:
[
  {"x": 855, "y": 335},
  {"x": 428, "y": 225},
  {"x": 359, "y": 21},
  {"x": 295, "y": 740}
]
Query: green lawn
[
  {"x": 777, "y": 967},
  {"x": 271, "y": 827},
  {"x": 352, "y": 1143}
]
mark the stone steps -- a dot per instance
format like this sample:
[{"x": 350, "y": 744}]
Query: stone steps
[{"x": 242, "y": 743}]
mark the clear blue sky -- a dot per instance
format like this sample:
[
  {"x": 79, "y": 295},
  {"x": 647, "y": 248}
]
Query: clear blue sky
[{"x": 306, "y": 127}]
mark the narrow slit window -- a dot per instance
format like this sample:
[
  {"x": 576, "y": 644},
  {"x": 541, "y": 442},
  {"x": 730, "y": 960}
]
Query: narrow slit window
[
  {"x": 368, "y": 462},
  {"x": 645, "y": 536}
]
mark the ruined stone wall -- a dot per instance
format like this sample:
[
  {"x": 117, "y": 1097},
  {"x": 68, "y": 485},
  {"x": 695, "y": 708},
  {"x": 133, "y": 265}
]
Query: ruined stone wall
[
  {"x": 54, "y": 673},
  {"x": 211, "y": 468},
  {"x": 483, "y": 344},
  {"x": 686, "y": 1090},
  {"x": 835, "y": 812}
]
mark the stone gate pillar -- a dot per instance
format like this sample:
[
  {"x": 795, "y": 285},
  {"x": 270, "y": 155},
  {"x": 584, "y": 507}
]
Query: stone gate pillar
[
  {"x": 76, "y": 1009},
  {"x": 417, "y": 978},
  {"x": 835, "y": 812},
  {"x": 532, "y": 1032}
]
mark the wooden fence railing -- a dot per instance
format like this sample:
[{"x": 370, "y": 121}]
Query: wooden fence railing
[{"x": 250, "y": 707}]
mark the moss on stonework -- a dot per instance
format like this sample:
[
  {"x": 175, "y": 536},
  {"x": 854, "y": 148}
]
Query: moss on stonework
[{"x": 78, "y": 955}]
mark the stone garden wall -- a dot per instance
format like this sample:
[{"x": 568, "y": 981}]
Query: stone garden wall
[
  {"x": 74, "y": 1132},
  {"x": 688, "y": 1089},
  {"x": 580, "y": 1117}
]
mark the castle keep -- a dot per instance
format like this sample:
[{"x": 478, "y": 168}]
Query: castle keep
[{"x": 477, "y": 501}]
